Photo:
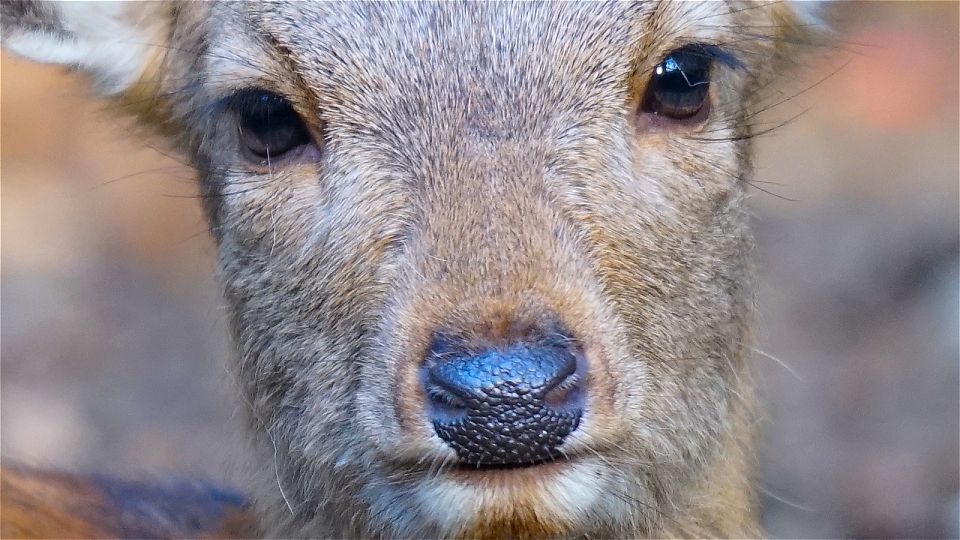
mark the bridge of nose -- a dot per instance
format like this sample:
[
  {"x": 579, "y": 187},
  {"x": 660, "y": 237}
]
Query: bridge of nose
[{"x": 519, "y": 369}]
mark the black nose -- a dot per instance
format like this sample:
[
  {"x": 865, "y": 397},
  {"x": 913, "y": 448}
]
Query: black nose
[{"x": 504, "y": 406}]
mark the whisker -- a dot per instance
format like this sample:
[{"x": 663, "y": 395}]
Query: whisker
[{"x": 779, "y": 361}]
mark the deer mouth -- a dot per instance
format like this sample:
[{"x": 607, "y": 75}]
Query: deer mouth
[
  {"x": 542, "y": 500},
  {"x": 466, "y": 467},
  {"x": 510, "y": 472},
  {"x": 534, "y": 485}
]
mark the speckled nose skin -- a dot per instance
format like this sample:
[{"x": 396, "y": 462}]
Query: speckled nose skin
[{"x": 509, "y": 406}]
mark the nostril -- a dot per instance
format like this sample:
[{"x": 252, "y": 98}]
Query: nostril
[
  {"x": 566, "y": 393},
  {"x": 442, "y": 402}
]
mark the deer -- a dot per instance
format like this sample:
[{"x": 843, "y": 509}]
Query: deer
[{"x": 487, "y": 265}]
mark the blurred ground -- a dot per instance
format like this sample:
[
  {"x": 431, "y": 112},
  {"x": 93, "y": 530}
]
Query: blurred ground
[{"x": 114, "y": 348}]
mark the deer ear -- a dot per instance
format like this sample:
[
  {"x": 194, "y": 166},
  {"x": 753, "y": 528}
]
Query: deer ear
[
  {"x": 114, "y": 42},
  {"x": 802, "y": 16}
]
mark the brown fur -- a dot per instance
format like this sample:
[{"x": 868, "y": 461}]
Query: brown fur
[
  {"x": 39, "y": 504},
  {"x": 483, "y": 171}
]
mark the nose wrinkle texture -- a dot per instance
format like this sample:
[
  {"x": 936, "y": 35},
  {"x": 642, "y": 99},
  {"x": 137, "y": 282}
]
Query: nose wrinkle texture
[{"x": 501, "y": 398}]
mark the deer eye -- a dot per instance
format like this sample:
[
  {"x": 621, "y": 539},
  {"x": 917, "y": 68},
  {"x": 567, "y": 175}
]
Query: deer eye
[
  {"x": 269, "y": 126},
  {"x": 679, "y": 85}
]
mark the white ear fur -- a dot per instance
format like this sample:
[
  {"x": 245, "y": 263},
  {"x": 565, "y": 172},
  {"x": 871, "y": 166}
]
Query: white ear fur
[{"x": 114, "y": 42}]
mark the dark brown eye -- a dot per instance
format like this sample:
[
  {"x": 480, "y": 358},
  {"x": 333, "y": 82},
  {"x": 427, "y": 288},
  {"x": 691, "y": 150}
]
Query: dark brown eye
[
  {"x": 680, "y": 85},
  {"x": 269, "y": 126}
]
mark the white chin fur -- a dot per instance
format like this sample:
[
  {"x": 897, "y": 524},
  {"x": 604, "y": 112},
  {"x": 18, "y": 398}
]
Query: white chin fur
[{"x": 568, "y": 496}]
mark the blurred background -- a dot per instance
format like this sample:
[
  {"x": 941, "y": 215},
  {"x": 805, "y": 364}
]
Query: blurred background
[{"x": 114, "y": 348}]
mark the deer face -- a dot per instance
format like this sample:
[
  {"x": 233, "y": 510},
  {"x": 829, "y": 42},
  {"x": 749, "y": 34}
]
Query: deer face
[{"x": 486, "y": 264}]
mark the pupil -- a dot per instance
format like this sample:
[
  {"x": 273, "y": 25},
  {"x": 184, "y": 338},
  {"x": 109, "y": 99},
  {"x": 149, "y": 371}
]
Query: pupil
[
  {"x": 271, "y": 117},
  {"x": 269, "y": 125},
  {"x": 679, "y": 85},
  {"x": 683, "y": 71}
]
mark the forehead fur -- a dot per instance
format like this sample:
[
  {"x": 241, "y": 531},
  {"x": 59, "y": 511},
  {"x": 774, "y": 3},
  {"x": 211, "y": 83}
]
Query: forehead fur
[{"x": 335, "y": 48}]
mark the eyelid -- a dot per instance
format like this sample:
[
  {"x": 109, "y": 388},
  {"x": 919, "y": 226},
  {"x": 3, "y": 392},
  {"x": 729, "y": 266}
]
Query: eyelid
[
  {"x": 714, "y": 52},
  {"x": 248, "y": 98}
]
